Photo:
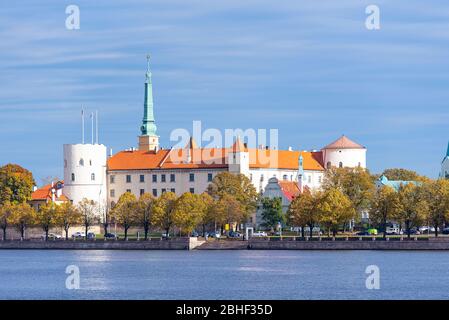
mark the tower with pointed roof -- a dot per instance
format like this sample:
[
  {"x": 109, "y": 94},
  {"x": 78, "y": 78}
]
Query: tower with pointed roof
[
  {"x": 238, "y": 158},
  {"x": 445, "y": 165},
  {"x": 148, "y": 140},
  {"x": 344, "y": 152}
]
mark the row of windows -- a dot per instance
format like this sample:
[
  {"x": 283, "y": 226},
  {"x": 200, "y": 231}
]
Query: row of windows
[
  {"x": 92, "y": 177},
  {"x": 163, "y": 178},
  {"x": 285, "y": 178},
  {"x": 154, "y": 191}
]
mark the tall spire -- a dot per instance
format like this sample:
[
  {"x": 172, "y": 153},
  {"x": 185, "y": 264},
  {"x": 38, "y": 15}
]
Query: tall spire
[
  {"x": 148, "y": 124},
  {"x": 447, "y": 152}
]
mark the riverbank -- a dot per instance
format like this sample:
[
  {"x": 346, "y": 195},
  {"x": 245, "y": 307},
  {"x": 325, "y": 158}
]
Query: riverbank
[{"x": 253, "y": 244}]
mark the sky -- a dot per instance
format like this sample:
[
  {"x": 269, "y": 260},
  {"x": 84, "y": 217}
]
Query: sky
[{"x": 310, "y": 69}]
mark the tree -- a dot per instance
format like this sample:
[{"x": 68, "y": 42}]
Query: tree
[
  {"x": 89, "y": 214},
  {"x": 67, "y": 215},
  {"x": 189, "y": 211},
  {"x": 209, "y": 214},
  {"x": 356, "y": 183},
  {"x": 413, "y": 208},
  {"x": 46, "y": 217},
  {"x": 237, "y": 186},
  {"x": 164, "y": 212},
  {"x": 16, "y": 184},
  {"x": 228, "y": 210},
  {"x": 6, "y": 211},
  {"x": 145, "y": 210},
  {"x": 385, "y": 206},
  {"x": 23, "y": 215},
  {"x": 272, "y": 212},
  {"x": 401, "y": 174},
  {"x": 335, "y": 209},
  {"x": 436, "y": 196},
  {"x": 303, "y": 210},
  {"x": 125, "y": 211}
]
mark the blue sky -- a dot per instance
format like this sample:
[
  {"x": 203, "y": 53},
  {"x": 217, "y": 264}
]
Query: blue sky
[{"x": 309, "y": 68}]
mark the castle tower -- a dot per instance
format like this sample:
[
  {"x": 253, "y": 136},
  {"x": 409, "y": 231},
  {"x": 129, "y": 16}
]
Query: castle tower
[
  {"x": 85, "y": 173},
  {"x": 344, "y": 152},
  {"x": 148, "y": 140},
  {"x": 238, "y": 158},
  {"x": 301, "y": 173}
]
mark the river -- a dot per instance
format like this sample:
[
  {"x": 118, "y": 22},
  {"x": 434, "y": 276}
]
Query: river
[{"x": 38, "y": 274}]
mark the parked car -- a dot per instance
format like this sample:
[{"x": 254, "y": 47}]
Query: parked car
[
  {"x": 445, "y": 231},
  {"x": 194, "y": 234},
  {"x": 78, "y": 235},
  {"x": 111, "y": 236},
  {"x": 363, "y": 233},
  {"x": 260, "y": 234},
  {"x": 393, "y": 231},
  {"x": 372, "y": 232},
  {"x": 234, "y": 234},
  {"x": 215, "y": 234},
  {"x": 165, "y": 235},
  {"x": 426, "y": 229},
  {"x": 51, "y": 236},
  {"x": 91, "y": 235},
  {"x": 414, "y": 231}
]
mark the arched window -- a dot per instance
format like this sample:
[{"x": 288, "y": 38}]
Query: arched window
[
  {"x": 285, "y": 177},
  {"x": 328, "y": 165},
  {"x": 82, "y": 162},
  {"x": 340, "y": 165},
  {"x": 73, "y": 177},
  {"x": 90, "y": 163},
  {"x": 92, "y": 177}
]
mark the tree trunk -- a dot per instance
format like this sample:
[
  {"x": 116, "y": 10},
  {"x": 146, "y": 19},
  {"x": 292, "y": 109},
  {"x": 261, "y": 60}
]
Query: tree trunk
[
  {"x": 167, "y": 230},
  {"x": 126, "y": 232},
  {"x": 46, "y": 233},
  {"x": 22, "y": 232},
  {"x": 146, "y": 229},
  {"x": 407, "y": 226},
  {"x": 384, "y": 222},
  {"x": 311, "y": 230},
  {"x": 4, "y": 232},
  {"x": 334, "y": 232},
  {"x": 66, "y": 229},
  {"x": 436, "y": 231},
  {"x": 303, "y": 232}
]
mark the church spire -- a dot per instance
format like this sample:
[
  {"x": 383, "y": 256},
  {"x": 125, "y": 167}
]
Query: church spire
[
  {"x": 148, "y": 140},
  {"x": 148, "y": 123},
  {"x": 447, "y": 152}
]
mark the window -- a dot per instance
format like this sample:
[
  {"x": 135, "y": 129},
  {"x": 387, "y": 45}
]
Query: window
[
  {"x": 92, "y": 177},
  {"x": 192, "y": 190},
  {"x": 154, "y": 178},
  {"x": 128, "y": 190},
  {"x": 142, "y": 178},
  {"x": 112, "y": 179},
  {"x": 142, "y": 191},
  {"x": 284, "y": 177},
  {"x": 328, "y": 165},
  {"x": 128, "y": 178},
  {"x": 112, "y": 204},
  {"x": 164, "y": 190},
  {"x": 154, "y": 192},
  {"x": 112, "y": 193},
  {"x": 310, "y": 179},
  {"x": 82, "y": 162},
  {"x": 209, "y": 177},
  {"x": 90, "y": 163},
  {"x": 340, "y": 165},
  {"x": 173, "y": 190},
  {"x": 261, "y": 177},
  {"x": 172, "y": 178},
  {"x": 162, "y": 177},
  {"x": 251, "y": 177},
  {"x": 73, "y": 177},
  {"x": 192, "y": 177},
  {"x": 320, "y": 179}
]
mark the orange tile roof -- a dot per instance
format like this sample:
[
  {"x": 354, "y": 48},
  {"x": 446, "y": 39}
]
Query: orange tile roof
[
  {"x": 196, "y": 158},
  {"x": 44, "y": 193},
  {"x": 290, "y": 189},
  {"x": 344, "y": 143}
]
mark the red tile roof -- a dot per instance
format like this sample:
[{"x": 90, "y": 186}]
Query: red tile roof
[
  {"x": 344, "y": 143},
  {"x": 44, "y": 193}
]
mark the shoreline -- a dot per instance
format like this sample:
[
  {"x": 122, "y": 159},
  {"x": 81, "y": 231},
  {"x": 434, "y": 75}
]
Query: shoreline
[{"x": 432, "y": 244}]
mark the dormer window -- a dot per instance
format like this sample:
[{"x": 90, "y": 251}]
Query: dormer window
[{"x": 82, "y": 162}]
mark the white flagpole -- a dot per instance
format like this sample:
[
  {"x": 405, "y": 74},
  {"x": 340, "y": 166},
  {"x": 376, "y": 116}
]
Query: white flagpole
[
  {"x": 82, "y": 124},
  {"x": 96, "y": 125},
  {"x": 92, "y": 120}
]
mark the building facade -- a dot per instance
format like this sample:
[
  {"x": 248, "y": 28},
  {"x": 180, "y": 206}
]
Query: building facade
[{"x": 445, "y": 165}]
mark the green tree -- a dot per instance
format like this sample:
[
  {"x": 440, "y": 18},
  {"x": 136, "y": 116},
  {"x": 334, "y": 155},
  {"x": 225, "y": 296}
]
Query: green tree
[
  {"x": 145, "y": 209},
  {"x": 237, "y": 186},
  {"x": 335, "y": 209},
  {"x": 272, "y": 212},
  {"x": 229, "y": 210},
  {"x": 303, "y": 210},
  {"x": 412, "y": 206},
  {"x": 23, "y": 216},
  {"x": 46, "y": 217},
  {"x": 401, "y": 174},
  {"x": 209, "y": 213},
  {"x": 125, "y": 211},
  {"x": 6, "y": 212},
  {"x": 16, "y": 184},
  {"x": 385, "y": 206},
  {"x": 89, "y": 211},
  {"x": 356, "y": 183},
  {"x": 67, "y": 216},
  {"x": 164, "y": 212},
  {"x": 189, "y": 212},
  {"x": 436, "y": 196}
]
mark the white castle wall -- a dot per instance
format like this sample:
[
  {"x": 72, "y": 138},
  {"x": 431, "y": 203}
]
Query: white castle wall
[
  {"x": 85, "y": 173},
  {"x": 347, "y": 157}
]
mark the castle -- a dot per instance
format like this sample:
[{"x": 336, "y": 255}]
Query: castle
[{"x": 90, "y": 173}]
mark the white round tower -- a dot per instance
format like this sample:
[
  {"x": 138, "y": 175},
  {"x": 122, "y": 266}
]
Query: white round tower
[
  {"x": 344, "y": 153},
  {"x": 85, "y": 173}
]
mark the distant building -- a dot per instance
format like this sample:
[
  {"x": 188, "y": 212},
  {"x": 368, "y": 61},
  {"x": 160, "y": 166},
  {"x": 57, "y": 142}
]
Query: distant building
[
  {"x": 49, "y": 193},
  {"x": 395, "y": 184},
  {"x": 445, "y": 165}
]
